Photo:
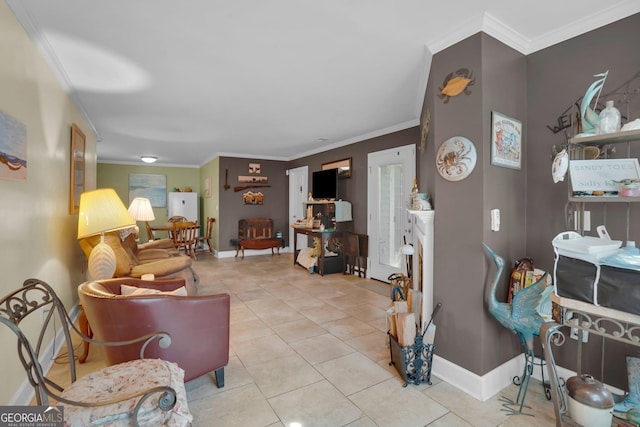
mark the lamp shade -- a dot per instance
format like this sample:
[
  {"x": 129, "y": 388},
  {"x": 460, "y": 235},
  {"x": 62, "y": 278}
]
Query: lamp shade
[
  {"x": 141, "y": 210},
  {"x": 102, "y": 211}
]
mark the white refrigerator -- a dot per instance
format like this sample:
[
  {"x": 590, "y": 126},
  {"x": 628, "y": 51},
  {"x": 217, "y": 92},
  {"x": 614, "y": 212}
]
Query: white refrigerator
[{"x": 183, "y": 204}]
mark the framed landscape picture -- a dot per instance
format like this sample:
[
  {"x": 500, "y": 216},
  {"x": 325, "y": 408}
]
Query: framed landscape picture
[
  {"x": 13, "y": 148},
  {"x": 506, "y": 141},
  {"x": 78, "y": 142},
  {"x": 149, "y": 186}
]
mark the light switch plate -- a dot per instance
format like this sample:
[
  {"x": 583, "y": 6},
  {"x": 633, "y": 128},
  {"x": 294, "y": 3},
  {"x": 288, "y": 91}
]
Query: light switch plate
[{"x": 495, "y": 219}]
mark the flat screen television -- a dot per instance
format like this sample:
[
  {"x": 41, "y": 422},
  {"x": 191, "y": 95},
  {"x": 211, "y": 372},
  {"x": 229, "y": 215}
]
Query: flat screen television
[{"x": 324, "y": 184}]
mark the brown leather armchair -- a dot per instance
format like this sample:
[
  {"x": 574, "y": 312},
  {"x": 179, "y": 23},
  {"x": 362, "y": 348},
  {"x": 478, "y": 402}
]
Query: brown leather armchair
[{"x": 198, "y": 325}]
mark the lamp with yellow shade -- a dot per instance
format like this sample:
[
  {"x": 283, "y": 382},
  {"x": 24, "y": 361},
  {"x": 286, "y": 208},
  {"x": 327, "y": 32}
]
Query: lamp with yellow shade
[{"x": 102, "y": 211}]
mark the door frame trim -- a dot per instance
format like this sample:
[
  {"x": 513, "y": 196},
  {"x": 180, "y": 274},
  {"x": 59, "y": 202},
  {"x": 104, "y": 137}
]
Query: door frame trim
[{"x": 388, "y": 151}]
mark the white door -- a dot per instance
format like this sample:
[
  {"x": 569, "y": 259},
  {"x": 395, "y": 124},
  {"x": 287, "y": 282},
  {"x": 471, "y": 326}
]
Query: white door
[
  {"x": 391, "y": 174},
  {"x": 298, "y": 193}
]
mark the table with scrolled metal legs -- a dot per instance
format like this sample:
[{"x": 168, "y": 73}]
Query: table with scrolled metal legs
[{"x": 605, "y": 322}]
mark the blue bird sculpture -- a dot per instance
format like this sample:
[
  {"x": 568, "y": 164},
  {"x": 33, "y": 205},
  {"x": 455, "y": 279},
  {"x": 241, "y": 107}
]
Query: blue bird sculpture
[{"x": 524, "y": 316}]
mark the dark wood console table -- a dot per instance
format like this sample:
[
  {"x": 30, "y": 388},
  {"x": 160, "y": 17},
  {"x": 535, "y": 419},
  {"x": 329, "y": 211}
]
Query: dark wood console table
[{"x": 323, "y": 235}]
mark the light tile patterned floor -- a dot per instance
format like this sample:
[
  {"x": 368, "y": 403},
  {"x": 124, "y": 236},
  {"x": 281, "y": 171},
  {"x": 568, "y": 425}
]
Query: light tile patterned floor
[{"x": 310, "y": 351}]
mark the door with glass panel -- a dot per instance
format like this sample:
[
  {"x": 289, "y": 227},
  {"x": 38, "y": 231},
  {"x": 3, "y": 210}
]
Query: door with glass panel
[
  {"x": 298, "y": 187},
  {"x": 391, "y": 174}
]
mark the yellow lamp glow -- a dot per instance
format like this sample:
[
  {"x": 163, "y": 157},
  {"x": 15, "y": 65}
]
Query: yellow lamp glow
[{"x": 102, "y": 211}]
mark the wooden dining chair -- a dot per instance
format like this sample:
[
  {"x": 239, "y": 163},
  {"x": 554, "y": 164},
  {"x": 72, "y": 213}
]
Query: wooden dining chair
[
  {"x": 207, "y": 234},
  {"x": 177, "y": 218},
  {"x": 150, "y": 234},
  {"x": 172, "y": 220},
  {"x": 184, "y": 236}
]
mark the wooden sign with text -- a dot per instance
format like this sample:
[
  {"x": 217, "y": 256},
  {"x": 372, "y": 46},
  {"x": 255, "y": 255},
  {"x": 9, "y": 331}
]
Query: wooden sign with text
[{"x": 602, "y": 175}]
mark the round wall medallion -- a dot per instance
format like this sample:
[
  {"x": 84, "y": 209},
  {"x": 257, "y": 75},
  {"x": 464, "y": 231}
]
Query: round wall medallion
[{"x": 456, "y": 158}]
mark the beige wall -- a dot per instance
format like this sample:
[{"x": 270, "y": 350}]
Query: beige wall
[{"x": 38, "y": 236}]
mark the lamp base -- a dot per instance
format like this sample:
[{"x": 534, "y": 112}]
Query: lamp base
[{"x": 102, "y": 261}]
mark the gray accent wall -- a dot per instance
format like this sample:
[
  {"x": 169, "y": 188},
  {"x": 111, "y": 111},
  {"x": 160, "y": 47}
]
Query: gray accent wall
[
  {"x": 276, "y": 197},
  {"x": 354, "y": 189},
  {"x": 557, "y": 77},
  {"x": 535, "y": 89},
  {"x": 462, "y": 207}
]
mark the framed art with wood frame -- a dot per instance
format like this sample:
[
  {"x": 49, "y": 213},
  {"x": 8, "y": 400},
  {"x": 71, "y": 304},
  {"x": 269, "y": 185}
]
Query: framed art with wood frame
[
  {"x": 343, "y": 166},
  {"x": 76, "y": 187}
]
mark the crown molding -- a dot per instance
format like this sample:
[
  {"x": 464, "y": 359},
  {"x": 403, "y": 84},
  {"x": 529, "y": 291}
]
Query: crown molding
[
  {"x": 504, "y": 33},
  {"x": 584, "y": 25},
  {"x": 31, "y": 27},
  {"x": 494, "y": 27},
  {"x": 466, "y": 29},
  {"x": 360, "y": 138}
]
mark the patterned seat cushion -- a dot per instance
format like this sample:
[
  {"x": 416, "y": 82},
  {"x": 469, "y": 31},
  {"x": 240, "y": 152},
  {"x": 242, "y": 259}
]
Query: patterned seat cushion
[{"x": 127, "y": 378}]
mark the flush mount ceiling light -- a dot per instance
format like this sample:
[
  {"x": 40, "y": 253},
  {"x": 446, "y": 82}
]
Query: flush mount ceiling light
[{"x": 148, "y": 159}]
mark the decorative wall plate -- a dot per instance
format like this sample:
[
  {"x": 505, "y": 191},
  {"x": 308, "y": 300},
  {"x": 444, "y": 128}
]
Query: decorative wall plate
[
  {"x": 560, "y": 166},
  {"x": 456, "y": 158}
]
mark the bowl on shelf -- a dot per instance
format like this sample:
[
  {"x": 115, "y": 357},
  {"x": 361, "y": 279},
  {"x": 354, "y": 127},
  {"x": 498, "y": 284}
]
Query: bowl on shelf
[{"x": 629, "y": 188}]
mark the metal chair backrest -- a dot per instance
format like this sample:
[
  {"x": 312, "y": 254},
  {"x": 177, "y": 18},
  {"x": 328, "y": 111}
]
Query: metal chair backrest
[{"x": 19, "y": 306}]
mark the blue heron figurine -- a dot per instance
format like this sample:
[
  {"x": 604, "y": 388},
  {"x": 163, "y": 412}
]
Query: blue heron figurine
[{"x": 523, "y": 316}]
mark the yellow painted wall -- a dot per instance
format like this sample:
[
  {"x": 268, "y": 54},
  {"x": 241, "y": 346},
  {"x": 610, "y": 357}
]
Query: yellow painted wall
[{"x": 38, "y": 236}]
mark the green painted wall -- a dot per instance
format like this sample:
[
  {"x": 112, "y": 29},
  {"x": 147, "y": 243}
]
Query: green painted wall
[
  {"x": 116, "y": 176},
  {"x": 210, "y": 205}
]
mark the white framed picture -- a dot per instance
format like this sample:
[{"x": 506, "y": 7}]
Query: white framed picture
[{"x": 506, "y": 141}]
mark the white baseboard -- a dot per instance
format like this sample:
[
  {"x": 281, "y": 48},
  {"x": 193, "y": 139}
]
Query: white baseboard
[
  {"x": 25, "y": 393},
  {"x": 249, "y": 252},
  {"x": 479, "y": 387},
  {"x": 488, "y": 385}
]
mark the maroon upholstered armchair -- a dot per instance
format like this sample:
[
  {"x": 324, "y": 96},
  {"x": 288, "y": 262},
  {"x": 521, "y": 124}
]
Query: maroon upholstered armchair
[{"x": 198, "y": 325}]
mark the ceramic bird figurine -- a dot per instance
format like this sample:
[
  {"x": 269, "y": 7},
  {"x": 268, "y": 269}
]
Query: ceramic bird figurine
[{"x": 524, "y": 316}]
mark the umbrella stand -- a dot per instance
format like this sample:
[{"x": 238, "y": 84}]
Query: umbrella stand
[{"x": 414, "y": 362}]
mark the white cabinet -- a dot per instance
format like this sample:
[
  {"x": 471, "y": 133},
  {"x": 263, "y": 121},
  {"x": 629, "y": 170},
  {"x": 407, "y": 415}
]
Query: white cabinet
[{"x": 183, "y": 204}]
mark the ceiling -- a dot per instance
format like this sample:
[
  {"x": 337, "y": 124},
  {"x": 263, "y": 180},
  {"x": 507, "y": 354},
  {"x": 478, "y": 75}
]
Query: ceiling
[{"x": 188, "y": 81}]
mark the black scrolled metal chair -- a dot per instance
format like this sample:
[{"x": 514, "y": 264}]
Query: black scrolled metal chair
[{"x": 139, "y": 392}]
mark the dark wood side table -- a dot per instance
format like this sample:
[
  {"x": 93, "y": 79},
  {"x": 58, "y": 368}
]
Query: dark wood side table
[
  {"x": 241, "y": 245},
  {"x": 323, "y": 235}
]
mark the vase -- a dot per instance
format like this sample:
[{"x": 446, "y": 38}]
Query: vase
[{"x": 609, "y": 119}]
